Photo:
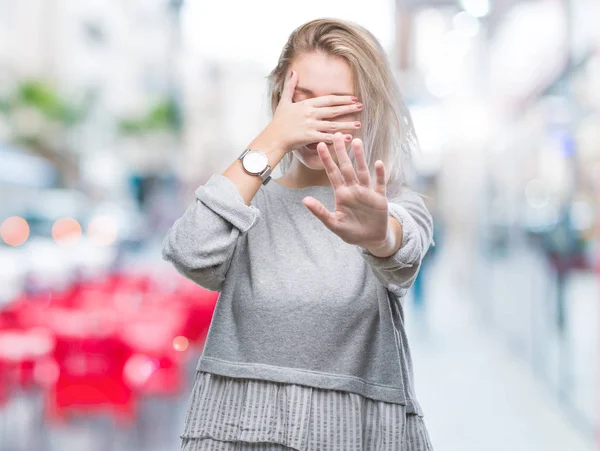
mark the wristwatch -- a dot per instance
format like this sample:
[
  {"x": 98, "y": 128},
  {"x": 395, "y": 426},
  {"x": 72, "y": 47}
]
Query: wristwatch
[{"x": 256, "y": 162}]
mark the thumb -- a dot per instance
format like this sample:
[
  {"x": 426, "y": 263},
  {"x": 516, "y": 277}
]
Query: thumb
[
  {"x": 320, "y": 211},
  {"x": 289, "y": 87}
]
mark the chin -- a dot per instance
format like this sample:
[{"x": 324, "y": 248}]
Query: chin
[{"x": 311, "y": 159}]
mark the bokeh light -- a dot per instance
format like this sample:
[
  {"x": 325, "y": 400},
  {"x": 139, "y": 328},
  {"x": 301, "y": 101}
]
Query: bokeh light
[
  {"x": 102, "y": 230},
  {"x": 66, "y": 231},
  {"x": 180, "y": 343},
  {"x": 14, "y": 231},
  {"x": 139, "y": 368}
]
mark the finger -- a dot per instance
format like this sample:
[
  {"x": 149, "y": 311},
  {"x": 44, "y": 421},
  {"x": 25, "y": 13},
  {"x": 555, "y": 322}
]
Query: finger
[
  {"x": 331, "y": 100},
  {"x": 334, "y": 111},
  {"x": 328, "y": 138},
  {"x": 380, "y": 177},
  {"x": 334, "y": 174},
  {"x": 332, "y": 126},
  {"x": 362, "y": 170},
  {"x": 289, "y": 86},
  {"x": 346, "y": 168},
  {"x": 319, "y": 210}
]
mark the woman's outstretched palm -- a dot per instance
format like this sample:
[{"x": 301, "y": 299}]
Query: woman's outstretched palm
[{"x": 361, "y": 207}]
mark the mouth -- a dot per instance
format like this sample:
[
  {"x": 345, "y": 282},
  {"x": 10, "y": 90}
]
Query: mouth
[{"x": 312, "y": 146}]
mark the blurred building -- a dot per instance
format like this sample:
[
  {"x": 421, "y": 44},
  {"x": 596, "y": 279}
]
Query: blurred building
[
  {"x": 116, "y": 58},
  {"x": 505, "y": 98},
  {"x": 220, "y": 101}
]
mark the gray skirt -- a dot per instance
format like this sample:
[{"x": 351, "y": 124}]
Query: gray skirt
[{"x": 249, "y": 414}]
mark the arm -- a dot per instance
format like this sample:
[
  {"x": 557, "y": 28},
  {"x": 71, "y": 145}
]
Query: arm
[
  {"x": 200, "y": 244},
  {"x": 392, "y": 243},
  {"x": 397, "y": 261}
]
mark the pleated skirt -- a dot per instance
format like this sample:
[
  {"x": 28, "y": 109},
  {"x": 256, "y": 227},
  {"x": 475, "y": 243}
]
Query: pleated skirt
[{"x": 249, "y": 414}]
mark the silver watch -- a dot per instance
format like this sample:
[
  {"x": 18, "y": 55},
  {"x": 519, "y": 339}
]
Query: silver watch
[{"x": 256, "y": 162}]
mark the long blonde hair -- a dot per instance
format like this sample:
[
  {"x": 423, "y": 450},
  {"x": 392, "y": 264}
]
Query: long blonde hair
[{"x": 387, "y": 128}]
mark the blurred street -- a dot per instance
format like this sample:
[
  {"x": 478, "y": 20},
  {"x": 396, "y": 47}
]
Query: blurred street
[{"x": 477, "y": 392}]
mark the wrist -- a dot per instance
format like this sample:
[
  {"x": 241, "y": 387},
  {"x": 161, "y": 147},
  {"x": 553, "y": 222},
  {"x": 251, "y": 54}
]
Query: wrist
[
  {"x": 389, "y": 245},
  {"x": 269, "y": 144}
]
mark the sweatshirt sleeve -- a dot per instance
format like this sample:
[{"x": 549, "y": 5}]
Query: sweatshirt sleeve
[
  {"x": 201, "y": 243},
  {"x": 398, "y": 271}
]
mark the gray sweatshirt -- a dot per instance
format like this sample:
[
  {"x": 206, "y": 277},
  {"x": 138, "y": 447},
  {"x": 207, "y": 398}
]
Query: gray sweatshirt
[{"x": 297, "y": 304}]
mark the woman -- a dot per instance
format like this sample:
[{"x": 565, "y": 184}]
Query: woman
[{"x": 307, "y": 348}]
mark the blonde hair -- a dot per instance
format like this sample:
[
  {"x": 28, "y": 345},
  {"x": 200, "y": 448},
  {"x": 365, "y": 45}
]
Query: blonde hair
[{"x": 387, "y": 128}]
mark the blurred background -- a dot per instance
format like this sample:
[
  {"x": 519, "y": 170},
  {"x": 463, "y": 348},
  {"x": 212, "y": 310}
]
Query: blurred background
[{"x": 112, "y": 112}]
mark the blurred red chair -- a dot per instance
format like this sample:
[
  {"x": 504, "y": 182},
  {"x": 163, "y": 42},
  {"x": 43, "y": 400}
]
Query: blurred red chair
[
  {"x": 129, "y": 281},
  {"x": 90, "y": 360},
  {"x": 4, "y": 392},
  {"x": 106, "y": 342},
  {"x": 20, "y": 350},
  {"x": 154, "y": 334},
  {"x": 200, "y": 305}
]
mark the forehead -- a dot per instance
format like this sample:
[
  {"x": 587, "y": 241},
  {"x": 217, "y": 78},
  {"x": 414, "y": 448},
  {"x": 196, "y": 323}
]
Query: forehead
[{"x": 323, "y": 74}]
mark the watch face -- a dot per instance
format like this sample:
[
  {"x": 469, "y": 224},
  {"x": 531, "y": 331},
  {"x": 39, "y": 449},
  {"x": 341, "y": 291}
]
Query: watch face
[{"x": 255, "y": 162}]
